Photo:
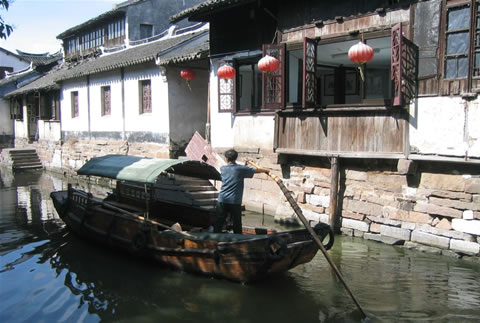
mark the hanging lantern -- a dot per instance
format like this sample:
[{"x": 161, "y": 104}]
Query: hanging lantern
[
  {"x": 226, "y": 72},
  {"x": 188, "y": 75},
  {"x": 361, "y": 53},
  {"x": 268, "y": 64}
]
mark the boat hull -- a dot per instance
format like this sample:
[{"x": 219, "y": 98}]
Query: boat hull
[{"x": 242, "y": 258}]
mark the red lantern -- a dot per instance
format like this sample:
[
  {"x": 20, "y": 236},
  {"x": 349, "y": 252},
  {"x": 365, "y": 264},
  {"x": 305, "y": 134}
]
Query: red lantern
[
  {"x": 226, "y": 72},
  {"x": 360, "y": 53},
  {"x": 268, "y": 64},
  {"x": 188, "y": 75}
]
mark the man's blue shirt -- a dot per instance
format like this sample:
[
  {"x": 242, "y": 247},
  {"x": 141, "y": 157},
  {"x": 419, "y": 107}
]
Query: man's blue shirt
[{"x": 232, "y": 182}]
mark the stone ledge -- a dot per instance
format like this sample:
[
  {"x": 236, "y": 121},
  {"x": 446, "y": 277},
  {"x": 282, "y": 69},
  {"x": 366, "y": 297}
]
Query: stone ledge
[
  {"x": 469, "y": 248},
  {"x": 445, "y": 233},
  {"x": 356, "y": 225},
  {"x": 430, "y": 239}
]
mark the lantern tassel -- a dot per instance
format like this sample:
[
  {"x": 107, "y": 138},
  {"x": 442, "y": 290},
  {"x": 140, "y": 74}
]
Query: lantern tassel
[
  {"x": 188, "y": 84},
  {"x": 360, "y": 68}
]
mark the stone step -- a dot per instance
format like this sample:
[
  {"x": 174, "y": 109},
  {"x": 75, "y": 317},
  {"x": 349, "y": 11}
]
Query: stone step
[
  {"x": 30, "y": 166},
  {"x": 24, "y": 159},
  {"x": 21, "y": 151},
  {"x": 29, "y": 158},
  {"x": 28, "y": 162}
]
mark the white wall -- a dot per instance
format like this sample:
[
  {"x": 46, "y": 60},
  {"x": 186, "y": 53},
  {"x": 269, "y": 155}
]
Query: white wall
[
  {"x": 113, "y": 121},
  {"x": 221, "y": 133},
  {"x": 6, "y": 124},
  {"x": 445, "y": 126},
  {"x": 155, "y": 124},
  {"x": 79, "y": 123},
  {"x": 49, "y": 130},
  {"x": 228, "y": 130},
  {"x": 157, "y": 120}
]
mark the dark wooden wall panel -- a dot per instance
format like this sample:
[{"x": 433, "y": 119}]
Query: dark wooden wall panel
[{"x": 372, "y": 132}]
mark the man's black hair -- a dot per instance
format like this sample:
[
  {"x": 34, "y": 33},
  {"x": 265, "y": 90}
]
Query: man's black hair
[{"x": 231, "y": 155}]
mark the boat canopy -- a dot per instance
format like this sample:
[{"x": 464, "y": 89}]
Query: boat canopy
[{"x": 145, "y": 170}]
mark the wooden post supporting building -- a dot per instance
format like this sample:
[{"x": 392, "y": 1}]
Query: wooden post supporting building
[{"x": 333, "y": 218}]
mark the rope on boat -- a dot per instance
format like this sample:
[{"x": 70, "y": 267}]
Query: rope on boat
[{"x": 302, "y": 218}]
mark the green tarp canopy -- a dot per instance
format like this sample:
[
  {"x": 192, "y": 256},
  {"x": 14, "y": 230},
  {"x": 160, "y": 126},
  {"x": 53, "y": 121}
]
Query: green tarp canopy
[{"x": 145, "y": 170}]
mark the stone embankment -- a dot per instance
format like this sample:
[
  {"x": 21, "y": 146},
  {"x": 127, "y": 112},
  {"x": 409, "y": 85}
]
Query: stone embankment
[
  {"x": 71, "y": 155},
  {"x": 430, "y": 210},
  {"x": 434, "y": 208}
]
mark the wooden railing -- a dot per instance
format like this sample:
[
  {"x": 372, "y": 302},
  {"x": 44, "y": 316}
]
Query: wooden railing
[{"x": 357, "y": 131}]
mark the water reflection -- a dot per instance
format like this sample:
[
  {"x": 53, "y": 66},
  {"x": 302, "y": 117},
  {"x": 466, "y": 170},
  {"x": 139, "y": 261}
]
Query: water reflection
[{"x": 48, "y": 274}]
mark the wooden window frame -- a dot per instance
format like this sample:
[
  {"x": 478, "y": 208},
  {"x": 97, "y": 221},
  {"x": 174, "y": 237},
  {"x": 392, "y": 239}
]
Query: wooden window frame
[
  {"x": 106, "y": 100},
  {"x": 459, "y": 86},
  {"x": 273, "y": 84},
  {"x": 16, "y": 109},
  {"x": 145, "y": 108},
  {"x": 141, "y": 28},
  {"x": 74, "y": 104},
  {"x": 251, "y": 62},
  {"x": 310, "y": 99},
  {"x": 227, "y": 91}
]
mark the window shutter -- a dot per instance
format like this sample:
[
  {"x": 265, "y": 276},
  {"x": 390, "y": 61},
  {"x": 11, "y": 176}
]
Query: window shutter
[
  {"x": 404, "y": 67},
  {"x": 226, "y": 92},
  {"x": 273, "y": 83},
  {"x": 426, "y": 36},
  {"x": 397, "y": 64},
  {"x": 309, "y": 68}
]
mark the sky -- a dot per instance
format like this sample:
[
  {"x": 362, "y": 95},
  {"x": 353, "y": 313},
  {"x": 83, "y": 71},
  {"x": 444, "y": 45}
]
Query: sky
[{"x": 36, "y": 23}]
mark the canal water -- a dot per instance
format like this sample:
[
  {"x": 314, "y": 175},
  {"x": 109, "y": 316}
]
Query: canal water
[{"x": 49, "y": 275}]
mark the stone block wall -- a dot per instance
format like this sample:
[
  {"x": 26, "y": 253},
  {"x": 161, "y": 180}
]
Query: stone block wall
[
  {"x": 68, "y": 157},
  {"x": 433, "y": 206}
]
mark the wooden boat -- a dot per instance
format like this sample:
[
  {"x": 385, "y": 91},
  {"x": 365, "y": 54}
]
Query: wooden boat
[{"x": 156, "y": 199}]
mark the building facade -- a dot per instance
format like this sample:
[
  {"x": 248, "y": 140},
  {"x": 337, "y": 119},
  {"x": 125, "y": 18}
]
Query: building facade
[
  {"x": 387, "y": 150},
  {"x": 117, "y": 92}
]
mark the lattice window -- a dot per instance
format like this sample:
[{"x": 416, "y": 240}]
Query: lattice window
[
  {"x": 273, "y": 83},
  {"x": 74, "y": 104},
  {"x": 145, "y": 96},
  {"x": 226, "y": 94},
  {"x": 309, "y": 86},
  {"x": 106, "y": 100}
]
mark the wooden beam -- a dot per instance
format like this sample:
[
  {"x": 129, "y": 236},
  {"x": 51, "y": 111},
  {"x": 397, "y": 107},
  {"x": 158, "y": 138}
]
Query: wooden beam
[{"x": 372, "y": 155}]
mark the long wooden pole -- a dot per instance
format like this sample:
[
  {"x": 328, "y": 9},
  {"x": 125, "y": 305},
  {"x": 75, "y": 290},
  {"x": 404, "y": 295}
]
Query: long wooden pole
[
  {"x": 302, "y": 218},
  {"x": 333, "y": 194}
]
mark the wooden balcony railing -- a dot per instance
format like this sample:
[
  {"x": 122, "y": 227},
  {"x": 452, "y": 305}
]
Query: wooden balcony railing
[{"x": 356, "y": 131}]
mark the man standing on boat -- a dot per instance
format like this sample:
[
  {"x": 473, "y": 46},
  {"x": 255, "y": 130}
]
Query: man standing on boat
[{"x": 231, "y": 194}]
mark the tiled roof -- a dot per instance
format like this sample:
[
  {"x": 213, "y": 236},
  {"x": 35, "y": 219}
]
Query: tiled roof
[
  {"x": 198, "y": 52},
  {"x": 132, "y": 56},
  {"x": 40, "y": 59},
  {"x": 44, "y": 83},
  {"x": 206, "y": 7}
]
